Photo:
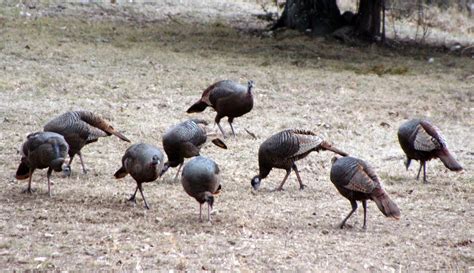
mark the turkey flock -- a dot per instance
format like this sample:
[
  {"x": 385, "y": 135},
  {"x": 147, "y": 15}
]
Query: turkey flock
[{"x": 353, "y": 178}]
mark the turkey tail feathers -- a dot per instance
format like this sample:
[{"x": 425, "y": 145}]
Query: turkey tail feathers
[
  {"x": 120, "y": 173},
  {"x": 387, "y": 206},
  {"x": 23, "y": 171},
  {"x": 197, "y": 107},
  {"x": 219, "y": 143}
]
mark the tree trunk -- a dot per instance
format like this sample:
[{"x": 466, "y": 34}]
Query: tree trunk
[
  {"x": 369, "y": 18},
  {"x": 318, "y": 16},
  {"x": 323, "y": 17}
]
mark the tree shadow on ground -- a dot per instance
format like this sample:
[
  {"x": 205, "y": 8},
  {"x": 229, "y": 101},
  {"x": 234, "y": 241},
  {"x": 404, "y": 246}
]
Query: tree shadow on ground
[{"x": 219, "y": 40}]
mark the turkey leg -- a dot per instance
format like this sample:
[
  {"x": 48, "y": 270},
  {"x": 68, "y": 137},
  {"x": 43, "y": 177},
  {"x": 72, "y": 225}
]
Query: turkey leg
[
  {"x": 302, "y": 186},
  {"x": 354, "y": 207},
  {"x": 280, "y": 188}
]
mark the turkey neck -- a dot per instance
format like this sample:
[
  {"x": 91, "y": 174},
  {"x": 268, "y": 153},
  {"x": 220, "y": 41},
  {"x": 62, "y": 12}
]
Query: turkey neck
[
  {"x": 263, "y": 172},
  {"x": 95, "y": 121},
  {"x": 249, "y": 91},
  {"x": 378, "y": 193}
]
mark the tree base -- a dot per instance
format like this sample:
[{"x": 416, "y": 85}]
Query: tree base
[{"x": 322, "y": 17}]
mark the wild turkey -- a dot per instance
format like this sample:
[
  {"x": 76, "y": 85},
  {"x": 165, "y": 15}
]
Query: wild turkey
[
  {"x": 184, "y": 140},
  {"x": 201, "y": 180},
  {"x": 42, "y": 150},
  {"x": 421, "y": 140},
  {"x": 228, "y": 98},
  {"x": 284, "y": 148},
  {"x": 144, "y": 163},
  {"x": 357, "y": 181},
  {"x": 80, "y": 128}
]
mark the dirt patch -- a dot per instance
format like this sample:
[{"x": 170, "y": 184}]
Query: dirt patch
[{"x": 143, "y": 73}]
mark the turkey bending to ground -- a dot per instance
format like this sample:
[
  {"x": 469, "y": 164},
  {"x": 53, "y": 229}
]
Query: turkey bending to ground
[
  {"x": 201, "y": 180},
  {"x": 421, "y": 140},
  {"x": 42, "y": 150},
  {"x": 144, "y": 163},
  {"x": 80, "y": 128},
  {"x": 356, "y": 181},
  {"x": 228, "y": 98},
  {"x": 284, "y": 148},
  {"x": 184, "y": 140}
]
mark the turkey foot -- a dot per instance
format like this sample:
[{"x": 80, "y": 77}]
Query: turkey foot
[
  {"x": 28, "y": 190},
  {"x": 132, "y": 199}
]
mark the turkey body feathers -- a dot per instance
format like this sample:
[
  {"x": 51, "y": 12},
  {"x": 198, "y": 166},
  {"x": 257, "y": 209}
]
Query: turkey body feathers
[
  {"x": 231, "y": 99},
  {"x": 356, "y": 180},
  {"x": 201, "y": 180},
  {"x": 42, "y": 150},
  {"x": 278, "y": 151},
  {"x": 184, "y": 140},
  {"x": 144, "y": 162},
  {"x": 283, "y": 149},
  {"x": 228, "y": 98},
  {"x": 80, "y": 128},
  {"x": 354, "y": 175},
  {"x": 200, "y": 175},
  {"x": 421, "y": 140}
]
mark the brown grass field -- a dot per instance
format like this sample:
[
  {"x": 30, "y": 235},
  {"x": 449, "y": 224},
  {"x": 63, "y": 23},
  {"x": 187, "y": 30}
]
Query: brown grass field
[{"x": 142, "y": 68}]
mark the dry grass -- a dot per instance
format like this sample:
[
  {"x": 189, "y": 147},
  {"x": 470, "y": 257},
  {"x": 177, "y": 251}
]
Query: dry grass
[{"x": 143, "y": 74}]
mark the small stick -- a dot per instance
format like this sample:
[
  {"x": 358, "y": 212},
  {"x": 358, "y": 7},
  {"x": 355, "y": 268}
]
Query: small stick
[{"x": 250, "y": 133}]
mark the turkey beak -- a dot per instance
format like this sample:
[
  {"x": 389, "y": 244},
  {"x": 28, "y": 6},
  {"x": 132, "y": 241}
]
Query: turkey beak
[{"x": 327, "y": 146}]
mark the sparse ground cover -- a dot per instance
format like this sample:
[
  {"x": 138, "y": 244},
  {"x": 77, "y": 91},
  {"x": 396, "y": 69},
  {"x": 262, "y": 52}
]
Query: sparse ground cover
[{"x": 141, "y": 66}]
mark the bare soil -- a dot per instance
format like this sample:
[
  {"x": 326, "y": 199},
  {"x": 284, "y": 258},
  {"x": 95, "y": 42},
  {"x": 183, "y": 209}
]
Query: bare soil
[{"x": 142, "y": 66}]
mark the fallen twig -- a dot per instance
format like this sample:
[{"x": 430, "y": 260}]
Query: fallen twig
[{"x": 250, "y": 133}]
